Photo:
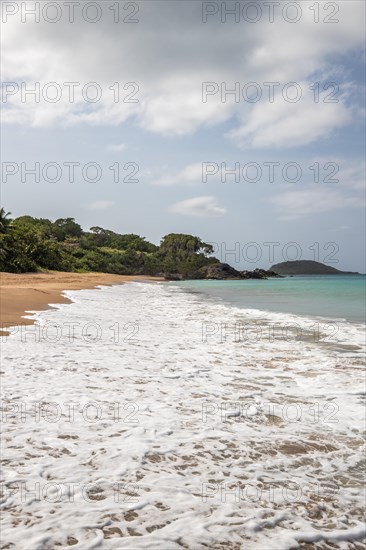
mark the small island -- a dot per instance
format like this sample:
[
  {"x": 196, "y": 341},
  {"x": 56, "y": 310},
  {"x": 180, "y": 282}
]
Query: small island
[{"x": 308, "y": 267}]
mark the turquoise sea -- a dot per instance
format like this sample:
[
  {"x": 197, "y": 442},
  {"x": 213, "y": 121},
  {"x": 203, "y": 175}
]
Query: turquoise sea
[{"x": 330, "y": 296}]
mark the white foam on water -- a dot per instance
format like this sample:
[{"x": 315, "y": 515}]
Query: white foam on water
[{"x": 149, "y": 426}]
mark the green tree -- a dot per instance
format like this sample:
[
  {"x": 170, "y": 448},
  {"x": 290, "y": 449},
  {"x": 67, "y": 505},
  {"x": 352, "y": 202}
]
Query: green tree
[
  {"x": 184, "y": 254},
  {"x": 5, "y": 221},
  {"x": 183, "y": 246},
  {"x": 66, "y": 227}
]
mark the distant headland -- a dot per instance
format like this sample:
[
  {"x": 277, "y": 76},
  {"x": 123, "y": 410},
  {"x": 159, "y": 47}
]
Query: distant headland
[{"x": 308, "y": 267}]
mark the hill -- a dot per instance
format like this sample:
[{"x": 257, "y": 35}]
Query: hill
[
  {"x": 30, "y": 244},
  {"x": 307, "y": 267}
]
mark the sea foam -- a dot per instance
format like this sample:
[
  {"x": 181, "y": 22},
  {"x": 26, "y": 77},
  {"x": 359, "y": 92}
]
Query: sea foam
[{"x": 130, "y": 422}]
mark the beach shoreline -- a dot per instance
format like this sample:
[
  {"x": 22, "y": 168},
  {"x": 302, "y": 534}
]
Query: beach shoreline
[{"x": 24, "y": 292}]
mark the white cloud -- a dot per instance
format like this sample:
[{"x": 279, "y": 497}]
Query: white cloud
[
  {"x": 118, "y": 147},
  {"x": 188, "y": 175},
  {"x": 169, "y": 66},
  {"x": 285, "y": 124},
  {"x": 346, "y": 190},
  {"x": 352, "y": 174},
  {"x": 100, "y": 205},
  {"x": 341, "y": 228},
  {"x": 199, "y": 206},
  {"x": 180, "y": 113},
  {"x": 294, "y": 205}
]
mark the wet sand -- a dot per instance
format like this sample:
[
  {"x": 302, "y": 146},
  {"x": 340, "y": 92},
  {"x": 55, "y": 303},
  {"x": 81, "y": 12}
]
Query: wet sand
[{"x": 21, "y": 293}]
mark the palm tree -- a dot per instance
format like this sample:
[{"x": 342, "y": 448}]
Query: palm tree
[{"x": 5, "y": 221}]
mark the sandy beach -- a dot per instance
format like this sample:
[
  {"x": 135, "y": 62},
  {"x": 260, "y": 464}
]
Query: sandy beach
[{"x": 24, "y": 292}]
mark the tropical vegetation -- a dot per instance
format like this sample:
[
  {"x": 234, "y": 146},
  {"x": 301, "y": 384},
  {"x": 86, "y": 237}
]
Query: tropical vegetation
[{"x": 29, "y": 244}]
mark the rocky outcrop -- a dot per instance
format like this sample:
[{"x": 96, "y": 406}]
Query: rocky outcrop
[
  {"x": 220, "y": 272},
  {"x": 258, "y": 274}
]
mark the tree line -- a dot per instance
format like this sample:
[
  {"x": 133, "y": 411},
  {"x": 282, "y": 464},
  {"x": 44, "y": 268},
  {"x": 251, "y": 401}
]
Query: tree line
[{"x": 29, "y": 244}]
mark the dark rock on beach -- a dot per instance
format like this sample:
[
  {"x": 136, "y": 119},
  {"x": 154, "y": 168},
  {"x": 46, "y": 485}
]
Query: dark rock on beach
[
  {"x": 258, "y": 274},
  {"x": 219, "y": 271}
]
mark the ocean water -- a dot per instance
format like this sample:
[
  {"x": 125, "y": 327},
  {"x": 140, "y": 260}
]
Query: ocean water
[
  {"x": 332, "y": 296},
  {"x": 158, "y": 416}
]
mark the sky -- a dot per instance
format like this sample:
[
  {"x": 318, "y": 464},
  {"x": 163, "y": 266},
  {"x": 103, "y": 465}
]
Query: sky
[{"x": 239, "y": 122}]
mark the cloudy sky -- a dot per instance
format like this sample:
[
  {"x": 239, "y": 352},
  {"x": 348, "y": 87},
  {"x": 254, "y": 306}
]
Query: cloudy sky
[{"x": 240, "y": 122}]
